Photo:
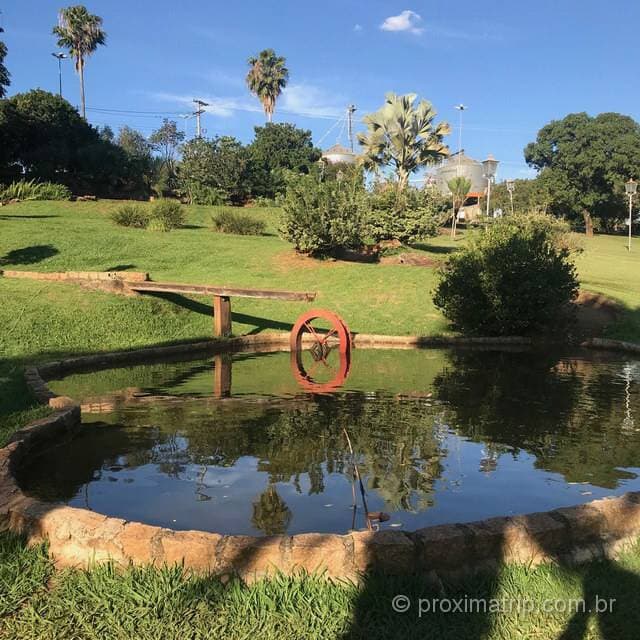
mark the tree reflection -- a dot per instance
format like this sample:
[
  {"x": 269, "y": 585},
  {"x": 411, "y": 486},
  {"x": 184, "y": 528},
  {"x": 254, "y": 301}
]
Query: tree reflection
[{"x": 270, "y": 512}]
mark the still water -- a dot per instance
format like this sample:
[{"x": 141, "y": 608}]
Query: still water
[{"x": 238, "y": 445}]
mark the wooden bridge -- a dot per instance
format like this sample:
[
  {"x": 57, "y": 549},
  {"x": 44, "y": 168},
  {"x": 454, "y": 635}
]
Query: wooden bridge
[{"x": 130, "y": 281}]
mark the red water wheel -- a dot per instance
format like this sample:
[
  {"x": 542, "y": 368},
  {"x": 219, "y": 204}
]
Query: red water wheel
[{"x": 320, "y": 351}]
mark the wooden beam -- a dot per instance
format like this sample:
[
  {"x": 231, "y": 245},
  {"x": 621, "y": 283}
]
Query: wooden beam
[
  {"x": 222, "y": 316},
  {"x": 227, "y": 292}
]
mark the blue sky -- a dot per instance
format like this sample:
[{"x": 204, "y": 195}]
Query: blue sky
[{"x": 515, "y": 64}]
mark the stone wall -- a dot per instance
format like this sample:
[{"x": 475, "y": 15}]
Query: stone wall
[{"x": 79, "y": 537}]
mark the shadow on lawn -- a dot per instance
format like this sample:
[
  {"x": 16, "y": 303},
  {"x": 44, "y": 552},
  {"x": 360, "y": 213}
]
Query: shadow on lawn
[
  {"x": 185, "y": 302},
  {"x": 429, "y": 248},
  {"x": 33, "y": 217},
  {"x": 29, "y": 255}
]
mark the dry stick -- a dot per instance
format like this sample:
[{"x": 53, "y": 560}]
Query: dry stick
[{"x": 357, "y": 474}]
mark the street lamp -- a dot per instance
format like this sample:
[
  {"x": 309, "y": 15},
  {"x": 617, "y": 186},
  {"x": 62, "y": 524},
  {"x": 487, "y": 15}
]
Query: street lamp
[
  {"x": 511, "y": 185},
  {"x": 630, "y": 187},
  {"x": 490, "y": 166},
  {"x": 60, "y": 57}
]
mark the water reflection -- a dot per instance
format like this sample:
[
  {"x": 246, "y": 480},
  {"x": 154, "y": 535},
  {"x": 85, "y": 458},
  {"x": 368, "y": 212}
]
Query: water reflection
[{"x": 439, "y": 436}]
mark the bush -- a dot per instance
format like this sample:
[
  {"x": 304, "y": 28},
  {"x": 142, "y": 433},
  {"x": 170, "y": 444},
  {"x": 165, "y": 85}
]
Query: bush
[
  {"x": 205, "y": 195},
  {"x": 228, "y": 221},
  {"x": 131, "y": 215},
  {"x": 320, "y": 218},
  {"x": 412, "y": 216},
  {"x": 166, "y": 215},
  {"x": 33, "y": 190},
  {"x": 516, "y": 278}
]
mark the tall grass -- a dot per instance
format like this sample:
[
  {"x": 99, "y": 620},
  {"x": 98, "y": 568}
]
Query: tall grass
[{"x": 34, "y": 190}]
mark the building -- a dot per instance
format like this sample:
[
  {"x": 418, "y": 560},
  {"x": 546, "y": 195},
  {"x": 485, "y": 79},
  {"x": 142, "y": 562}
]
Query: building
[
  {"x": 339, "y": 154},
  {"x": 456, "y": 165}
]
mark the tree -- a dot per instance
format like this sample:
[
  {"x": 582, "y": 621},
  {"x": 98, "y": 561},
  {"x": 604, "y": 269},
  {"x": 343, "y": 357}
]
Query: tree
[
  {"x": 276, "y": 148},
  {"x": 584, "y": 162},
  {"x": 459, "y": 187},
  {"x": 140, "y": 165},
  {"x": 266, "y": 79},
  {"x": 166, "y": 140},
  {"x": 515, "y": 279},
  {"x": 4, "y": 73},
  {"x": 43, "y": 137},
  {"x": 403, "y": 135},
  {"x": 529, "y": 196},
  {"x": 213, "y": 170},
  {"x": 80, "y": 32}
]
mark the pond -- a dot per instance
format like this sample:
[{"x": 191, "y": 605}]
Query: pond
[{"x": 238, "y": 444}]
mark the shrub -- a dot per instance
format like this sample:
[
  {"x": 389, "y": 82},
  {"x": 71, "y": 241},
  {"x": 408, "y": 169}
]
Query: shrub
[
  {"x": 320, "y": 218},
  {"x": 33, "y": 190},
  {"x": 228, "y": 221},
  {"x": 131, "y": 215},
  {"x": 408, "y": 217},
  {"x": 166, "y": 215},
  {"x": 205, "y": 195},
  {"x": 516, "y": 278}
]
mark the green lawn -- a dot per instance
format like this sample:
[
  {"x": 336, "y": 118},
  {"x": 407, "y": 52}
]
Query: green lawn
[{"x": 41, "y": 321}]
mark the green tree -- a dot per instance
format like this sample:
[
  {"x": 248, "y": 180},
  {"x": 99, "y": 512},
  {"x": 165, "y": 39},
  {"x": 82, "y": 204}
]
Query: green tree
[
  {"x": 140, "y": 164},
  {"x": 212, "y": 170},
  {"x": 459, "y": 187},
  {"x": 515, "y": 279},
  {"x": 276, "y": 148},
  {"x": 529, "y": 196},
  {"x": 166, "y": 141},
  {"x": 403, "y": 135},
  {"x": 584, "y": 162},
  {"x": 80, "y": 32},
  {"x": 266, "y": 79},
  {"x": 4, "y": 73},
  {"x": 43, "y": 137}
]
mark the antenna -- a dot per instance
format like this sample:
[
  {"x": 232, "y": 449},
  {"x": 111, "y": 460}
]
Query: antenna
[
  {"x": 198, "y": 112},
  {"x": 351, "y": 109}
]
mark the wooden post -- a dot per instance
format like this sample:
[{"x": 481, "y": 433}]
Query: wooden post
[
  {"x": 222, "y": 375},
  {"x": 222, "y": 316}
]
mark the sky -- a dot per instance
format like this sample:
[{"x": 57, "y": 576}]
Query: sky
[{"x": 515, "y": 64}]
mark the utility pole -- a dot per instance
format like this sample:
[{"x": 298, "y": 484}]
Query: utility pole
[
  {"x": 351, "y": 109},
  {"x": 460, "y": 108},
  {"x": 198, "y": 112}
]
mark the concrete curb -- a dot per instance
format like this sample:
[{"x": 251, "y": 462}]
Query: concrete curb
[{"x": 78, "y": 537}]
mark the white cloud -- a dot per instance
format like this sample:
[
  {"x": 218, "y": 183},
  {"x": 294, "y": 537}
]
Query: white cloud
[
  {"x": 307, "y": 99},
  {"x": 298, "y": 99},
  {"x": 406, "y": 21},
  {"x": 357, "y": 28},
  {"x": 223, "y": 107}
]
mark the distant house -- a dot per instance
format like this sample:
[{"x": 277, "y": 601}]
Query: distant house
[
  {"x": 456, "y": 165},
  {"x": 339, "y": 154}
]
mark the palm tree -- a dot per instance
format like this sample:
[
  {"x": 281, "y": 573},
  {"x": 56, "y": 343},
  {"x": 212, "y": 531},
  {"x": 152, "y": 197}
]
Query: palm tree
[
  {"x": 459, "y": 188},
  {"x": 80, "y": 32},
  {"x": 266, "y": 79},
  {"x": 403, "y": 135}
]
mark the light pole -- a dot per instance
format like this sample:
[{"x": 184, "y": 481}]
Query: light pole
[
  {"x": 460, "y": 108},
  {"x": 630, "y": 187},
  {"x": 490, "y": 166},
  {"x": 60, "y": 57},
  {"x": 511, "y": 185}
]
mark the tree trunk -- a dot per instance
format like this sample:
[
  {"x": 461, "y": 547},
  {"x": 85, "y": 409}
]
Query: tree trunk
[
  {"x": 82, "y": 102},
  {"x": 588, "y": 223}
]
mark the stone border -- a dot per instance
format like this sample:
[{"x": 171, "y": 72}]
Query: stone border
[{"x": 79, "y": 537}]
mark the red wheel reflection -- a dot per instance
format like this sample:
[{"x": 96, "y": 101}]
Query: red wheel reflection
[{"x": 322, "y": 343}]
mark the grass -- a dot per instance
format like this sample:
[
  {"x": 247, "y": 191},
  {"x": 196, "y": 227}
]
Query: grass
[
  {"x": 169, "y": 603},
  {"x": 42, "y": 321}
]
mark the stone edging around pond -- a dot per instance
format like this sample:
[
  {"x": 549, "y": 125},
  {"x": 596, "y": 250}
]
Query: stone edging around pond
[{"x": 79, "y": 537}]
